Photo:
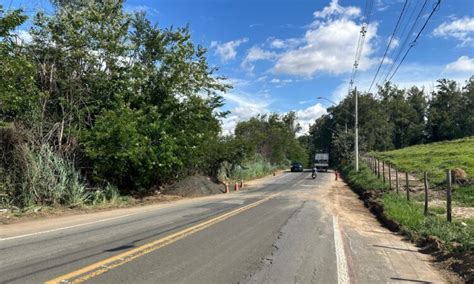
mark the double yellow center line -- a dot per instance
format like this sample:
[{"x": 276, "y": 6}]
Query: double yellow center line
[{"x": 98, "y": 268}]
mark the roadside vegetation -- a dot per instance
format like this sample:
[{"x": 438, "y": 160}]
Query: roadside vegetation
[
  {"x": 456, "y": 237},
  {"x": 101, "y": 105},
  {"x": 434, "y": 158}
]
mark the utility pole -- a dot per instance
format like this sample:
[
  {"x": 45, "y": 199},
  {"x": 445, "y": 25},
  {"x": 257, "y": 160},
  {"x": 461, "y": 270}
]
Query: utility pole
[{"x": 356, "y": 138}]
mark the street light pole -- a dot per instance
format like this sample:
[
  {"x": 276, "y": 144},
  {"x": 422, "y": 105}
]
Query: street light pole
[{"x": 356, "y": 138}]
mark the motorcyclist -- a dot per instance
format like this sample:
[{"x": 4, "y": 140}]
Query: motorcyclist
[{"x": 314, "y": 170}]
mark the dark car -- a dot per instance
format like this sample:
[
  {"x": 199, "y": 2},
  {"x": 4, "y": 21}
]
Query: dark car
[{"x": 297, "y": 167}]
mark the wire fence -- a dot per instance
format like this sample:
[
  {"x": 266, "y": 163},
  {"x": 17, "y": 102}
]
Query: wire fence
[{"x": 417, "y": 187}]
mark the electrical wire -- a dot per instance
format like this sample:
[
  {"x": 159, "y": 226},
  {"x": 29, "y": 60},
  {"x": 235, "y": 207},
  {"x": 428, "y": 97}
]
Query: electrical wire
[
  {"x": 435, "y": 8},
  {"x": 389, "y": 43},
  {"x": 406, "y": 40}
]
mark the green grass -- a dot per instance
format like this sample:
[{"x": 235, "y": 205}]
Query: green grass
[
  {"x": 456, "y": 236},
  {"x": 363, "y": 179},
  {"x": 464, "y": 195},
  {"x": 434, "y": 158}
]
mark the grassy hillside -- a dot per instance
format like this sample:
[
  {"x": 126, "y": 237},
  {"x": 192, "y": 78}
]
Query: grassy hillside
[{"x": 434, "y": 158}]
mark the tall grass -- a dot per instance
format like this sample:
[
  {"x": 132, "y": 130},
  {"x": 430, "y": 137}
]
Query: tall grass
[
  {"x": 50, "y": 180},
  {"x": 255, "y": 169}
]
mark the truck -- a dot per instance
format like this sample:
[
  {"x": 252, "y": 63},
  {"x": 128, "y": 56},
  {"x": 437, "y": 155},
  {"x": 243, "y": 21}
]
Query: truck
[{"x": 321, "y": 161}]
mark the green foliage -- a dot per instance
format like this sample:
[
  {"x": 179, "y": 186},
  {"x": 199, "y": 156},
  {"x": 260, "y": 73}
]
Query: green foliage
[
  {"x": 18, "y": 92},
  {"x": 255, "y": 168},
  {"x": 434, "y": 158},
  {"x": 273, "y": 137},
  {"x": 363, "y": 179}
]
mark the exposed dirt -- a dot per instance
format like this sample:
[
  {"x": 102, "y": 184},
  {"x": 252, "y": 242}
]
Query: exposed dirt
[
  {"x": 194, "y": 186},
  {"x": 47, "y": 213},
  {"x": 461, "y": 263}
]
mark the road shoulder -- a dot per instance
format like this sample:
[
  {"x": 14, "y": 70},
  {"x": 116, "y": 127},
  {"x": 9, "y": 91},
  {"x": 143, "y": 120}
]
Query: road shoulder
[{"x": 376, "y": 254}]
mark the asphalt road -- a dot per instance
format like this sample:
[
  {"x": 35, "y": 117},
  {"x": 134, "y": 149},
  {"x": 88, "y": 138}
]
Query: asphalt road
[{"x": 280, "y": 232}]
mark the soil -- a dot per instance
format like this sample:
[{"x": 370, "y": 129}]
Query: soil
[
  {"x": 460, "y": 263},
  {"x": 194, "y": 186},
  {"x": 40, "y": 213}
]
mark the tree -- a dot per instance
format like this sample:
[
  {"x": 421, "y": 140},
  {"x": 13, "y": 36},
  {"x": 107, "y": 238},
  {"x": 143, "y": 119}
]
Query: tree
[
  {"x": 18, "y": 92},
  {"x": 444, "y": 121}
]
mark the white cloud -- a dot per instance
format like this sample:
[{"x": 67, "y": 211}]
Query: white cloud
[
  {"x": 24, "y": 36},
  {"x": 255, "y": 54},
  {"x": 307, "y": 116},
  {"x": 245, "y": 107},
  {"x": 334, "y": 10},
  {"x": 329, "y": 44},
  {"x": 460, "y": 29},
  {"x": 394, "y": 44},
  {"x": 227, "y": 50},
  {"x": 462, "y": 64},
  {"x": 278, "y": 43}
]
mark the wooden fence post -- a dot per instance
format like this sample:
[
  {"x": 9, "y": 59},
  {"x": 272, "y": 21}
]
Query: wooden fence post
[
  {"x": 389, "y": 177},
  {"x": 383, "y": 171},
  {"x": 378, "y": 168},
  {"x": 425, "y": 182},
  {"x": 397, "y": 183},
  {"x": 408, "y": 186},
  {"x": 448, "y": 196}
]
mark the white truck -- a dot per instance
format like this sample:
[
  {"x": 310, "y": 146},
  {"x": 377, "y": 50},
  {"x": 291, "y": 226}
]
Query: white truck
[{"x": 321, "y": 161}]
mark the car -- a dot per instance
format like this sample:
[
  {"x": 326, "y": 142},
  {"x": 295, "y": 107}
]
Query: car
[{"x": 296, "y": 167}]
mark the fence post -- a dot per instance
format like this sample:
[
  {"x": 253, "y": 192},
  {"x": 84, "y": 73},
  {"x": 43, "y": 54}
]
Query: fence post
[
  {"x": 383, "y": 171},
  {"x": 378, "y": 168},
  {"x": 397, "y": 183},
  {"x": 448, "y": 196},
  {"x": 389, "y": 177},
  {"x": 408, "y": 186},
  {"x": 425, "y": 182}
]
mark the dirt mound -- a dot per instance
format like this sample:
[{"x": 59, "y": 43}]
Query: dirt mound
[
  {"x": 195, "y": 186},
  {"x": 459, "y": 176}
]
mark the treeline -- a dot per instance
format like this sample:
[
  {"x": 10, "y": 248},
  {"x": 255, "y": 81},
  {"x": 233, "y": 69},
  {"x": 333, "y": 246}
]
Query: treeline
[
  {"x": 101, "y": 101},
  {"x": 394, "y": 118}
]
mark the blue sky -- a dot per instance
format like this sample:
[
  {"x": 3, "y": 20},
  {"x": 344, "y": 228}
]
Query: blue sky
[{"x": 282, "y": 54}]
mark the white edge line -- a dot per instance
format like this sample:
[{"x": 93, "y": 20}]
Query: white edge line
[
  {"x": 70, "y": 227},
  {"x": 82, "y": 224},
  {"x": 342, "y": 270}
]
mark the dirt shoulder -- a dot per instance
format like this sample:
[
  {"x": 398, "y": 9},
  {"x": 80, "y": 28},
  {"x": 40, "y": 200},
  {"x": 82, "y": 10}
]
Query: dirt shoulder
[
  {"x": 370, "y": 245},
  {"x": 86, "y": 213}
]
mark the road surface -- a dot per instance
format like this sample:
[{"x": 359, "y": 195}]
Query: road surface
[{"x": 288, "y": 229}]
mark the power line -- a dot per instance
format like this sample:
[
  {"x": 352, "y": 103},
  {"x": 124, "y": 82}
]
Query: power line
[
  {"x": 403, "y": 35},
  {"x": 389, "y": 43},
  {"x": 435, "y": 8},
  {"x": 405, "y": 41}
]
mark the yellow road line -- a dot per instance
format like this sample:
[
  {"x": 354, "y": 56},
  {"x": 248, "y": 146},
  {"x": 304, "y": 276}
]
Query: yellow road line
[{"x": 98, "y": 268}]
